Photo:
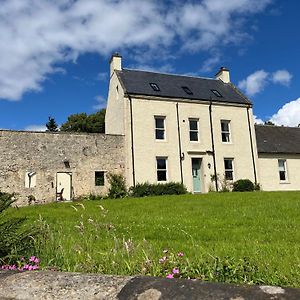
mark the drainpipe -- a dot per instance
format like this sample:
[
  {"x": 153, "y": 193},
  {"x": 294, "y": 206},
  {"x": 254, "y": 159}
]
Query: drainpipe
[
  {"x": 179, "y": 143},
  {"x": 213, "y": 145},
  {"x": 251, "y": 143},
  {"x": 132, "y": 143}
]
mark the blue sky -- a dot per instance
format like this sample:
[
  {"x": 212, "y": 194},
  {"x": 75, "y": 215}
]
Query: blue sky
[{"x": 54, "y": 54}]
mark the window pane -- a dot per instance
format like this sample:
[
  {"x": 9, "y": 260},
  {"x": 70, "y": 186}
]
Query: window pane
[
  {"x": 161, "y": 175},
  {"x": 229, "y": 175},
  {"x": 193, "y": 125},
  {"x": 282, "y": 175},
  {"x": 225, "y": 126},
  {"x": 281, "y": 165},
  {"x": 228, "y": 164},
  {"x": 159, "y": 134},
  {"x": 225, "y": 137},
  {"x": 161, "y": 163},
  {"x": 159, "y": 123},
  {"x": 193, "y": 136},
  {"x": 99, "y": 178}
]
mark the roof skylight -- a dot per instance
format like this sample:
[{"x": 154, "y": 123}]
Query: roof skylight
[
  {"x": 155, "y": 87},
  {"x": 187, "y": 90},
  {"x": 217, "y": 93}
]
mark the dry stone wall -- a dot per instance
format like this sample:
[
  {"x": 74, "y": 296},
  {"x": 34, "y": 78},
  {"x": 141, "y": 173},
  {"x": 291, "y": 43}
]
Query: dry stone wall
[{"x": 46, "y": 154}]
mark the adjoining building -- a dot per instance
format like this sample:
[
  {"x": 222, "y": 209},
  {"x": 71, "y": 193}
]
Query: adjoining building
[{"x": 159, "y": 128}]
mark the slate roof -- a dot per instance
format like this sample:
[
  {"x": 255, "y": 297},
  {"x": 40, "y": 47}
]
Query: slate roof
[
  {"x": 275, "y": 139},
  {"x": 138, "y": 83}
]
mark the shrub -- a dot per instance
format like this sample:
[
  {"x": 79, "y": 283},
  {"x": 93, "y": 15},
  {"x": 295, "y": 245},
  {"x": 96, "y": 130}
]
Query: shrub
[
  {"x": 117, "y": 186},
  {"x": 147, "y": 189},
  {"x": 243, "y": 185}
]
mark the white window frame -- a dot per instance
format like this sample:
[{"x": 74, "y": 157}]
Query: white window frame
[
  {"x": 30, "y": 179},
  {"x": 163, "y": 129},
  {"x": 227, "y": 133},
  {"x": 165, "y": 170},
  {"x": 285, "y": 170},
  {"x": 229, "y": 170},
  {"x": 194, "y": 130}
]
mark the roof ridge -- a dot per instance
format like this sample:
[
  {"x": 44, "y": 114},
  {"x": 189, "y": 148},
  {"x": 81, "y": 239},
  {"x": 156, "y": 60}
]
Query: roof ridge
[
  {"x": 277, "y": 126},
  {"x": 170, "y": 74}
]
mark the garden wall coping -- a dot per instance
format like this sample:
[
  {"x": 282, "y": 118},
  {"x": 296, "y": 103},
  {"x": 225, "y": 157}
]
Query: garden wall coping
[{"x": 57, "y": 285}]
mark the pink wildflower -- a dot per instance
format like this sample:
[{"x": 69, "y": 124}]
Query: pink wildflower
[
  {"x": 37, "y": 261},
  {"x": 180, "y": 254},
  {"x": 32, "y": 258},
  {"x": 170, "y": 276},
  {"x": 175, "y": 271}
]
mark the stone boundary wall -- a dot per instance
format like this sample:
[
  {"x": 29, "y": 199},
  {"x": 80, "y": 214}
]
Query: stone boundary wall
[
  {"x": 55, "y": 285},
  {"x": 46, "y": 153}
]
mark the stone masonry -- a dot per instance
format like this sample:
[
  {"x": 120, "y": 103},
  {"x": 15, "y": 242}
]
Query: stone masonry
[{"x": 46, "y": 154}]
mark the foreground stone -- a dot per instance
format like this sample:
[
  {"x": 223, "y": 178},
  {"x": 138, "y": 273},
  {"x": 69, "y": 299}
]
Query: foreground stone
[{"x": 56, "y": 285}]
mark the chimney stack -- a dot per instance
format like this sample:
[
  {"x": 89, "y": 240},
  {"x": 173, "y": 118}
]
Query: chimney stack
[
  {"x": 115, "y": 63},
  {"x": 223, "y": 74}
]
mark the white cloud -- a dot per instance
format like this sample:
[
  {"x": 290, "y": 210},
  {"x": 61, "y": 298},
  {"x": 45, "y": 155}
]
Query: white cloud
[
  {"x": 35, "y": 128},
  {"x": 288, "y": 114},
  {"x": 254, "y": 83},
  {"x": 282, "y": 77},
  {"x": 257, "y": 81},
  {"x": 257, "y": 120},
  {"x": 102, "y": 76},
  {"x": 39, "y": 35},
  {"x": 101, "y": 103}
]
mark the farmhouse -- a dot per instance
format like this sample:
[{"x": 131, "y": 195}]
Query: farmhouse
[{"x": 159, "y": 128}]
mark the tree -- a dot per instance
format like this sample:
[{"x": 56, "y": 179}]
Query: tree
[
  {"x": 269, "y": 123},
  {"x": 86, "y": 123},
  {"x": 51, "y": 125}
]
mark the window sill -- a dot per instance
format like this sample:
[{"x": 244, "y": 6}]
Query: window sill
[
  {"x": 284, "y": 182},
  {"x": 227, "y": 143}
]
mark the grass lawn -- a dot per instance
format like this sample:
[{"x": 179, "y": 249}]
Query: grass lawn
[{"x": 128, "y": 236}]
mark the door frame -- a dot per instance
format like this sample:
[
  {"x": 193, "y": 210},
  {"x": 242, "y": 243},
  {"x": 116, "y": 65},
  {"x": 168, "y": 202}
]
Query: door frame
[
  {"x": 71, "y": 184},
  {"x": 200, "y": 159}
]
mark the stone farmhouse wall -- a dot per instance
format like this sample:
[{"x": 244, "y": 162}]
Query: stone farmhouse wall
[{"x": 46, "y": 154}]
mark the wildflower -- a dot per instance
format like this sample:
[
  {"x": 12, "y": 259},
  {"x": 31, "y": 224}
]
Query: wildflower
[
  {"x": 32, "y": 258},
  {"x": 175, "y": 271},
  {"x": 36, "y": 261},
  {"x": 170, "y": 276},
  {"x": 162, "y": 260},
  {"x": 180, "y": 254},
  {"x": 166, "y": 251}
]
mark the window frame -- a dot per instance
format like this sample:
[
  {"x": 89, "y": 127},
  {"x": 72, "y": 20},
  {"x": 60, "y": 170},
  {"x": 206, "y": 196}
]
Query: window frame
[
  {"x": 30, "y": 179},
  {"x": 194, "y": 130},
  {"x": 217, "y": 93},
  {"x": 95, "y": 178},
  {"x": 229, "y": 170},
  {"x": 165, "y": 158},
  {"x": 285, "y": 170},
  {"x": 227, "y": 133},
  {"x": 160, "y": 129}
]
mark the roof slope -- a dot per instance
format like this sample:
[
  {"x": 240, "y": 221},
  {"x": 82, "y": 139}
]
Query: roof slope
[
  {"x": 275, "y": 139},
  {"x": 138, "y": 83}
]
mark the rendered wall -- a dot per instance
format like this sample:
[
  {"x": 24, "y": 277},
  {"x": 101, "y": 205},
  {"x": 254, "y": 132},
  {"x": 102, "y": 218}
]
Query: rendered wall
[
  {"x": 146, "y": 148},
  {"x": 45, "y": 153},
  {"x": 269, "y": 173}
]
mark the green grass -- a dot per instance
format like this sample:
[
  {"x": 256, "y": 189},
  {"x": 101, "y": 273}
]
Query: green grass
[{"x": 129, "y": 235}]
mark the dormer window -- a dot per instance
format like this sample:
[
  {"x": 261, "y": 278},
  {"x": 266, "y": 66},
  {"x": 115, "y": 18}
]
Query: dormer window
[
  {"x": 155, "y": 87},
  {"x": 187, "y": 90},
  {"x": 217, "y": 93}
]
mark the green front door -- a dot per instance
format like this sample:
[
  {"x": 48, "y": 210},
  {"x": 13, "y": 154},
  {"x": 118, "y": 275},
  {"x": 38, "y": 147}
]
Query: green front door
[{"x": 196, "y": 164}]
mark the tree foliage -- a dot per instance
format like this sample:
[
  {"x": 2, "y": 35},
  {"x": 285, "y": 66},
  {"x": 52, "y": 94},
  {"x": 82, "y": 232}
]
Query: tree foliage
[
  {"x": 86, "y": 123},
  {"x": 51, "y": 125}
]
